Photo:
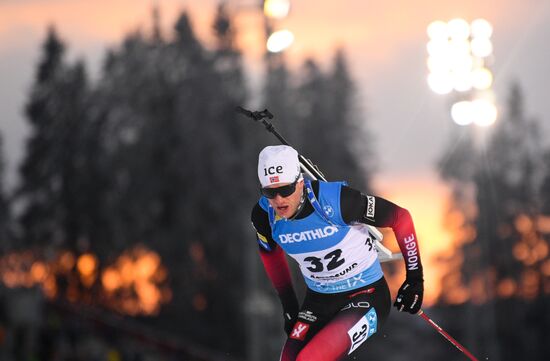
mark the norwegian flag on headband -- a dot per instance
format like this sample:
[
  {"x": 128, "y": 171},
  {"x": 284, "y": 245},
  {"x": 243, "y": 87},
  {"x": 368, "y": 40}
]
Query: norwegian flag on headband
[{"x": 274, "y": 179}]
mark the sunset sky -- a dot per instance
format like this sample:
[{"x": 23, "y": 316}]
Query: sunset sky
[{"x": 385, "y": 42}]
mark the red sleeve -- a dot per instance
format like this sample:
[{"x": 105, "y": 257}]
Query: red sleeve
[
  {"x": 379, "y": 212},
  {"x": 278, "y": 272},
  {"x": 405, "y": 234}
]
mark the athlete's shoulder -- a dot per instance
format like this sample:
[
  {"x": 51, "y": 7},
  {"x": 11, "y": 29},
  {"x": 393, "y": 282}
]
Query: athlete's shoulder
[
  {"x": 260, "y": 222},
  {"x": 334, "y": 186},
  {"x": 315, "y": 186},
  {"x": 258, "y": 214}
]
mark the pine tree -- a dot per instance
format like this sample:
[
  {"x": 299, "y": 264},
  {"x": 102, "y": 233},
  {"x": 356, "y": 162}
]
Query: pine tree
[
  {"x": 355, "y": 152},
  {"x": 500, "y": 266},
  {"x": 174, "y": 146},
  {"x": 333, "y": 137},
  {"x": 39, "y": 184},
  {"x": 5, "y": 241},
  {"x": 506, "y": 180},
  {"x": 311, "y": 100},
  {"x": 50, "y": 171},
  {"x": 146, "y": 153},
  {"x": 278, "y": 95},
  {"x": 545, "y": 184}
]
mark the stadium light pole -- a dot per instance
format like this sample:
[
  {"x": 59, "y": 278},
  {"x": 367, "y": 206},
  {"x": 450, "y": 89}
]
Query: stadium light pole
[
  {"x": 459, "y": 54},
  {"x": 281, "y": 39}
]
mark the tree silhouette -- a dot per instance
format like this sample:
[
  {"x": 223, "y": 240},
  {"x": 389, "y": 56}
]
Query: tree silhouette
[
  {"x": 501, "y": 258},
  {"x": 5, "y": 215},
  {"x": 53, "y": 169}
]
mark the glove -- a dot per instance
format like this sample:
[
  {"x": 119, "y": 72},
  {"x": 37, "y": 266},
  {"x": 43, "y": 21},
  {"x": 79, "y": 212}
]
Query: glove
[
  {"x": 410, "y": 295},
  {"x": 290, "y": 320}
]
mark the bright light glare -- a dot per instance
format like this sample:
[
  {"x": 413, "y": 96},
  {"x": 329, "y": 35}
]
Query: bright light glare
[
  {"x": 481, "y": 28},
  {"x": 482, "y": 78},
  {"x": 438, "y": 64},
  {"x": 438, "y": 30},
  {"x": 460, "y": 47},
  {"x": 277, "y": 9},
  {"x": 440, "y": 83},
  {"x": 484, "y": 112},
  {"x": 481, "y": 47},
  {"x": 462, "y": 63},
  {"x": 456, "y": 61},
  {"x": 461, "y": 112},
  {"x": 438, "y": 47},
  {"x": 462, "y": 81},
  {"x": 459, "y": 29},
  {"x": 279, "y": 41}
]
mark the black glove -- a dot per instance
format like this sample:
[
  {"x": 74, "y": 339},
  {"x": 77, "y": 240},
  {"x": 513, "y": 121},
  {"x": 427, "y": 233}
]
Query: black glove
[
  {"x": 290, "y": 321},
  {"x": 410, "y": 295}
]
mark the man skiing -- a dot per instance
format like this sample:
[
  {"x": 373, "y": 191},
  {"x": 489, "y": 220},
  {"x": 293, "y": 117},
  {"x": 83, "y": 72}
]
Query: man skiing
[{"x": 324, "y": 227}]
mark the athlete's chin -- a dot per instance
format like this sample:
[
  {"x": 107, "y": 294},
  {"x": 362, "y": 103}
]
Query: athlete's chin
[{"x": 283, "y": 211}]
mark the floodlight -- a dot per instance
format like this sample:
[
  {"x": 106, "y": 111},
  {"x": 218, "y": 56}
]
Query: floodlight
[
  {"x": 279, "y": 41},
  {"x": 276, "y": 9},
  {"x": 481, "y": 47},
  {"x": 440, "y": 83},
  {"x": 461, "y": 112},
  {"x": 481, "y": 28},
  {"x": 484, "y": 111},
  {"x": 459, "y": 29},
  {"x": 438, "y": 30},
  {"x": 482, "y": 78}
]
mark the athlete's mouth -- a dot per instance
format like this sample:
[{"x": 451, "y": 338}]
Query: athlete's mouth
[{"x": 282, "y": 208}]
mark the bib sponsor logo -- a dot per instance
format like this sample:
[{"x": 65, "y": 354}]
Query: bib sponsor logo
[
  {"x": 329, "y": 211},
  {"x": 308, "y": 316},
  {"x": 337, "y": 275},
  {"x": 299, "y": 331},
  {"x": 347, "y": 284},
  {"x": 308, "y": 235},
  {"x": 364, "y": 328},
  {"x": 370, "y": 207}
]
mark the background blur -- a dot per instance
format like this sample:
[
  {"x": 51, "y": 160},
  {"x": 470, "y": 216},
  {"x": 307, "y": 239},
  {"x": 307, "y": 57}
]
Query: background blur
[{"x": 127, "y": 178}]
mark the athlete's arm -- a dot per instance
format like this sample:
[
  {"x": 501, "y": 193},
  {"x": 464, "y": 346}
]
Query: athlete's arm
[
  {"x": 379, "y": 212},
  {"x": 276, "y": 266}
]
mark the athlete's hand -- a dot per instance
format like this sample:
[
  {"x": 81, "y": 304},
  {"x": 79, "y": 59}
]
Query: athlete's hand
[
  {"x": 290, "y": 320},
  {"x": 410, "y": 295}
]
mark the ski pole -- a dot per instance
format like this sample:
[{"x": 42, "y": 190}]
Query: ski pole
[
  {"x": 261, "y": 116},
  {"x": 447, "y": 336}
]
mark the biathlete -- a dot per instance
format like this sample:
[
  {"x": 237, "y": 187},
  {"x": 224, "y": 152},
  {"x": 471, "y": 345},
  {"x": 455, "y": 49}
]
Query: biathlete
[{"x": 323, "y": 226}]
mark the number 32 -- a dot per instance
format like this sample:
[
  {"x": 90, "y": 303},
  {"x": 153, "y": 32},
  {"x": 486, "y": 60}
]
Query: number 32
[{"x": 333, "y": 258}]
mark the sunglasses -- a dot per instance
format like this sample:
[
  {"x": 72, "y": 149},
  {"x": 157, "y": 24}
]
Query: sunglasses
[{"x": 283, "y": 191}]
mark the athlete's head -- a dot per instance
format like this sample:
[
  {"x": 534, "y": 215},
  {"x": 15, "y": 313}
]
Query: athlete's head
[{"x": 280, "y": 178}]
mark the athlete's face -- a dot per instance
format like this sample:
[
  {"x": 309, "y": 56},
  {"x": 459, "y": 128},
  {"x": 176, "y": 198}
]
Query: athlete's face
[{"x": 287, "y": 206}]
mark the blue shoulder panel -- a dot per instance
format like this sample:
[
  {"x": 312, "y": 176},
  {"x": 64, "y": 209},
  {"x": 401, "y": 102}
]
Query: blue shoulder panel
[{"x": 329, "y": 197}]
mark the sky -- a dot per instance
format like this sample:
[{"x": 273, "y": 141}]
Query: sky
[{"x": 385, "y": 44}]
